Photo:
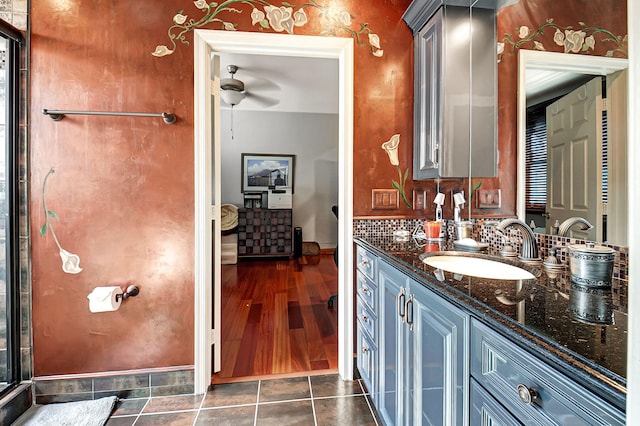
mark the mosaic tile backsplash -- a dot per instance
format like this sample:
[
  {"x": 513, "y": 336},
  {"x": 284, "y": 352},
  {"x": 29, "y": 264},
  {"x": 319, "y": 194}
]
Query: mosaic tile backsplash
[{"x": 485, "y": 233}]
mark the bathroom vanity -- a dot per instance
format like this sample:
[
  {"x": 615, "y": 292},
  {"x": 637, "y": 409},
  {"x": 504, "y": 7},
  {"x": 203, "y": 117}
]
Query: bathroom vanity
[{"x": 441, "y": 348}]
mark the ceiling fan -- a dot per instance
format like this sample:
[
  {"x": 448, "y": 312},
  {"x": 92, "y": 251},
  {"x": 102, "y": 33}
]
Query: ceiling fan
[{"x": 233, "y": 90}]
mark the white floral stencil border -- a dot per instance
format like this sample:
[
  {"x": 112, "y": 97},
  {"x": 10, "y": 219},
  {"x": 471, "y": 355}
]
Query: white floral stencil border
[
  {"x": 573, "y": 40},
  {"x": 265, "y": 15}
]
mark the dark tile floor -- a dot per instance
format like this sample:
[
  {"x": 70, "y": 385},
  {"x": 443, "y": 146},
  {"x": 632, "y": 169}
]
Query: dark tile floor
[{"x": 309, "y": 400}]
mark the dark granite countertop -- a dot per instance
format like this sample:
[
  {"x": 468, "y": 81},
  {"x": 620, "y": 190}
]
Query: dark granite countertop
[{"x": 548, "y": 315}]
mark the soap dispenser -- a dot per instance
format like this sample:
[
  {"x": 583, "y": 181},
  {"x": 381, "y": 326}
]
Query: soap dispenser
[
  {"x": 439, "y": 201},
  {"x": 458, "y": 200}
]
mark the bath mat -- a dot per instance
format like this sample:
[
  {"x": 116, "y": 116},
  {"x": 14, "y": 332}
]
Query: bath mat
[
  {"x": 310, "y": 248},
  {"x": 79, "y": 413}
]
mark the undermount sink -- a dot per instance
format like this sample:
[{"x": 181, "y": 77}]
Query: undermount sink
[{"x": 481, "y": 267}]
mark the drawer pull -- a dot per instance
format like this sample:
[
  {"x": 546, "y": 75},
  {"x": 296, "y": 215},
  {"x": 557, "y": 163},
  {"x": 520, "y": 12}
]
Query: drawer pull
[
  {"x": 365, "y": 289},
  {"x": 364, "y": 262},
  {"x": 408, "y": 309},
  {"x": 365, "y": 349},
  {"x": 401, "y": 300},
  {"x": 364, "y": 317},
  {"x": 526, "y": 394}
]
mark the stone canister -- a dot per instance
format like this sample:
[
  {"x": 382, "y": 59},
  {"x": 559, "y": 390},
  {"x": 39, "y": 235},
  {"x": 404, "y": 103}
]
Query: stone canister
[{"x": 591, "y": 265}]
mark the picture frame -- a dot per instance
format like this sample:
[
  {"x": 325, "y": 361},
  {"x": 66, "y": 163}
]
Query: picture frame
[{"x": 261, "y": 172}]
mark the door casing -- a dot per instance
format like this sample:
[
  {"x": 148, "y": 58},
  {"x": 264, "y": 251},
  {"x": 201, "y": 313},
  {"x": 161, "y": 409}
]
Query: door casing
[{"x": 207, "y": 140}]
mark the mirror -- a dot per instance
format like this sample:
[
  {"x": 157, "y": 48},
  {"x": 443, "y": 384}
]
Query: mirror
[{"x": 613, "y": 69}]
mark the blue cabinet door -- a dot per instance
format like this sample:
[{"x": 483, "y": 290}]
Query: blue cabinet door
[
  {"x": 439, "y": 366},
  {"x": 392, "y": 304}
]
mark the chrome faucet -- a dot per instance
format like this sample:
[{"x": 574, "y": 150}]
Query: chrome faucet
[
  {"x": 529, "y": 244},
  {"x": 563, "y": 231}
]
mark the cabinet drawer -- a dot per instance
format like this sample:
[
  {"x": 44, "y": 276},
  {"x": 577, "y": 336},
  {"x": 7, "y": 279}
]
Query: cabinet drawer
[
  {"x": 366, "y": 318},
  {"x": 485, "y": 410},
  {"x": 366, "y": 263},
  {"x": 513, "y": 376},
  {"x": 367, "y": 360},
  {"x": 367, "y": 290}
]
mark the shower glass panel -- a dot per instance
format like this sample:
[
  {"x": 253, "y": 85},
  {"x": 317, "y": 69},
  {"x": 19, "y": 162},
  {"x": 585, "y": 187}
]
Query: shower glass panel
[{"x": 9, "y": 246}]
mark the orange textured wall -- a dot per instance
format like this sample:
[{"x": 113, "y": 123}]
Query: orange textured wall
[{"x": 123, "y": 187}]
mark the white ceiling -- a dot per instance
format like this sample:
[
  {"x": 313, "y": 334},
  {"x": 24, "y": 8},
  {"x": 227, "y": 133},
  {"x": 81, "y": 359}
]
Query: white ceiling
[{"x": 284, "y": 83}]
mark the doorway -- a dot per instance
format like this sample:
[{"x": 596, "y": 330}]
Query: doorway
[
  {"x": 206, "y": 142},
  {"x": 275, "y": 318}
]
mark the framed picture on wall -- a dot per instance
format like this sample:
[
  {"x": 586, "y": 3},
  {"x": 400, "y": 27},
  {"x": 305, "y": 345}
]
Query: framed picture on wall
[{"x": 262, "y": 171}]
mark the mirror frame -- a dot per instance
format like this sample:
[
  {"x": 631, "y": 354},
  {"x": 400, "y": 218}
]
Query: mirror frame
[{"x": 587, "y": 64}]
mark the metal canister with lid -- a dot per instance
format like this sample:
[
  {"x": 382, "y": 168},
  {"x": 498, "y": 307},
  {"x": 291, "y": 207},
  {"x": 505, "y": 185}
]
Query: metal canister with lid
[{"x": 591, "y": 265}]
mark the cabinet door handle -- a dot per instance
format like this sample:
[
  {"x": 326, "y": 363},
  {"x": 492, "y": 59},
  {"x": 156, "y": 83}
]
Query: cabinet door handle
[
  {"x": 527, "y": 395},
  {"x": 401, "y": 299},
  {"x": 365, "y": 289},
  {"x": 364, "y": 262},
  {"x": 435, "y": 158},
  {"x": 408, "y": 309},
  {"x": 364, "y": 317},
  {"x": 365, "y": 349}
]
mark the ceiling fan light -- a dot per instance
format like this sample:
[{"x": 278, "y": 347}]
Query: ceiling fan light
[
  {"x": 232, "y": 97},
  {"x": 231, "y": 84}
]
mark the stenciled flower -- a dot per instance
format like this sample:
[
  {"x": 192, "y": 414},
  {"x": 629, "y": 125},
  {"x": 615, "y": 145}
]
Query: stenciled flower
[
  {"x": 344, "y": 18},
  {"x": 161, "y": 50},
  {"x": 573, "y": 41},
  {"x": 70, "y": 262},
  {"x": 374, "y": 40},
  {"x": 538, "y": 46},
  {"x": 201, "y": 4},
  {"x": 558, "y": 37},
  {"x": 300, "y": 18},
  {"x": 179, "y": 18},
  {"x": 257, "y": 16},
  {"x": 523, "y": 31},
  {"x": 590, "y": 42},
  {"x": 500, "y": 48},
  {"x": 280, "y": 18},
  {"x": 391, "y": 147}
]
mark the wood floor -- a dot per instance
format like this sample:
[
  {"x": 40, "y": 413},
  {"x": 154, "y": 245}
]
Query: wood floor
[{"x": 275, "y": 319}]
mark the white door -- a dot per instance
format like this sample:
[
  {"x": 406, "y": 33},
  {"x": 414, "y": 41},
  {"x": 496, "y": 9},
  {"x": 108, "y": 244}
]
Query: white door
[
  {"x": 574, "y": 159},
  {"x": 215, "y": 211}
]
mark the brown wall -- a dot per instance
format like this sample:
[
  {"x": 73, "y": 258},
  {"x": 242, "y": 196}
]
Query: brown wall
[{"x": 123, "y": 187}]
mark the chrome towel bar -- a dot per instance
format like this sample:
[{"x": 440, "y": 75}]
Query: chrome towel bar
[{"x": 57, "y": 115}]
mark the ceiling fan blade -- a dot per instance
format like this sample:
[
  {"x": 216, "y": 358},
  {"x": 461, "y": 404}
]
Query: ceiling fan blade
[{"x": 264, "y": 101}]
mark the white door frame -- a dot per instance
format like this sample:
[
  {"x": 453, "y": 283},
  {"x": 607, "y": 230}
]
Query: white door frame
[{"x": 206, "y": 41}]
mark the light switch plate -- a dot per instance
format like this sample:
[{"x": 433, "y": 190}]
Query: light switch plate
[
  {"x": 384, "y": 199},
  {"x": 489, "y": 198},
  {"x": 420, "y": 197}
]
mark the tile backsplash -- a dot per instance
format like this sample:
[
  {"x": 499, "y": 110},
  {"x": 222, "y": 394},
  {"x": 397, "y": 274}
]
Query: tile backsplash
[{"x": 483, "y": 232}]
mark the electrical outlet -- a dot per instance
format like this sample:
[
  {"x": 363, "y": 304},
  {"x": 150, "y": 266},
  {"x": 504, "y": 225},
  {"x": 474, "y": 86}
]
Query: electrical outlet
[
  {"x": 420, "y": 197},
  {"x": 489, "y": 198},
  {"x": 384, "y": 199}
]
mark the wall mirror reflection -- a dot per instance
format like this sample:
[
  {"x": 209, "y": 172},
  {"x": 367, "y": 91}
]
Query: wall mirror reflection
[{"x": 571, "y": 154}]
